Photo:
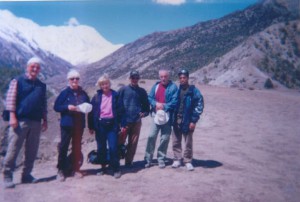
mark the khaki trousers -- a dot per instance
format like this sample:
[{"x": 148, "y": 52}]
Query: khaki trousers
[{"x": 177, "y": 145}]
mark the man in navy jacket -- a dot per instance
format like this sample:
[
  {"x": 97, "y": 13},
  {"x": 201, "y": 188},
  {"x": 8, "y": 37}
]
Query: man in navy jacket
[{"x": 136, "y": 106}]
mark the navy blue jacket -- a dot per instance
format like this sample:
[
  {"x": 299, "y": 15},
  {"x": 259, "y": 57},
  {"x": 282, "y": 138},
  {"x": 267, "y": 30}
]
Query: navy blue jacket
[
  {"x": 192, "y": 108},
  {"x": 94, "y": 115},
  {"x": 134, "y": 101},
  {"x": 70, "y": 97},
  {"x": 31, "y": 102}
]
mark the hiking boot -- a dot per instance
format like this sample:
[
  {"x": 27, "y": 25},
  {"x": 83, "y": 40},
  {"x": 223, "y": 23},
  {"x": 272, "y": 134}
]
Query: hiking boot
[
  {"x": 117, "y": 174},
  {"x": 102, "y": 171},
  {"x": 189, "y": 166},
  {"x": 128, "y": 164},
  {"x": 176, "y": 164},
  {"x": 78, "y": 175},
  {"x": 27, "y": 179},
  {"x": 161, "y": 164},
  {"x": 60, "y": 176}
]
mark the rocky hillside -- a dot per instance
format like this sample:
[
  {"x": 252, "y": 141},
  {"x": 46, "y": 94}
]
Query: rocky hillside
[
  {"x": 273, "y": 53},
  {"x": 194, "y": 47}
]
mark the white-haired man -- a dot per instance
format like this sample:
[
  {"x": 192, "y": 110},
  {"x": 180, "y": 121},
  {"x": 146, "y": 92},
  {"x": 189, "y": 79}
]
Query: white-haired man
[
  {"x": 27, "y": 105},
  {"x": 163, "y": 99}
]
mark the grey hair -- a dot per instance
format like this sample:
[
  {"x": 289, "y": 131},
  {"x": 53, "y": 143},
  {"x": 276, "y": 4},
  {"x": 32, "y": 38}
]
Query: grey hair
[
  {"x": 34, "y": 60},
  {"x": 73, "y": 73},
  {"x": 164, "y": 70}
]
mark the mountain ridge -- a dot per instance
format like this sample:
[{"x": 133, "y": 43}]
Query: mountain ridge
[{"x": 191, "y": 47}]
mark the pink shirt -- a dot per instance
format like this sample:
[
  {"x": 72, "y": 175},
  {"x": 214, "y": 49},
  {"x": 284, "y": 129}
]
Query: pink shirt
[{"x": 106, "y": 106}]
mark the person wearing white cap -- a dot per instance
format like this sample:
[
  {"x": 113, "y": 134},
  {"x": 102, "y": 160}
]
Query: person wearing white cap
[
  {"x": 163, "y": 99},
  {"x": 26, "y": 103},
  {"x": 72, "y": 103}
]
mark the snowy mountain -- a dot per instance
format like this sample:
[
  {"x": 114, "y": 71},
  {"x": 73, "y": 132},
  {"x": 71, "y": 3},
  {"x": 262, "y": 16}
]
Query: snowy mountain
[{"x": 77, "y": 44}]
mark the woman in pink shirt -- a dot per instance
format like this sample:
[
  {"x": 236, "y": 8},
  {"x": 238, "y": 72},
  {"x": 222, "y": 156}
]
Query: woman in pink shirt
[{"x": 104, "y": 120}]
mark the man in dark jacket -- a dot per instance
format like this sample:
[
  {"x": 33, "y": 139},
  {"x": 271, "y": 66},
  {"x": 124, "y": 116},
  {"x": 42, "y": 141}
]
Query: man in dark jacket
[
  {"x": 187, "y": 112},
  {"x": 134, "y": 100},
  {"x": 27, "y": 105}
]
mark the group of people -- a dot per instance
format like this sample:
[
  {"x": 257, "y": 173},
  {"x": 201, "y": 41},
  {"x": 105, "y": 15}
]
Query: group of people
[{"x": 113, "y": 116}]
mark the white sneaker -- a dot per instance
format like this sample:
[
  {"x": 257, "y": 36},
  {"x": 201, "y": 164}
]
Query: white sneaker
[
  {"x": 189, "y": 166},
  {"x": 176, "y": 164}
]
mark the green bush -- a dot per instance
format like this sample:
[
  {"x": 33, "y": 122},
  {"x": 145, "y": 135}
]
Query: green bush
[
  {"x": 269, "y": 84},
  {"x": 6, "y": 75}
]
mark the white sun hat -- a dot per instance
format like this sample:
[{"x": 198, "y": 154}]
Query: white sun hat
[
  {"x": 84, "y": 107},
  {"x": 161, "y": 117}
]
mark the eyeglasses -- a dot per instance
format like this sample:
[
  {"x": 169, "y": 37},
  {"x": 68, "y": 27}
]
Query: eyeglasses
[
  {"x": 72, "y": 79},
  {"x": 135, "y": 78}
]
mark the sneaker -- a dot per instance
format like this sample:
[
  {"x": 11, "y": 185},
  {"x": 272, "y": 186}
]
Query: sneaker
[
  {"x": 8, "y": 183},
  {"x": 147, "y": 164},
  {"x": 161, "y": 164},
  {"x": 117, "y": 174},
  {"x": 78, "y": 175},
  {"x": 60, "y": 176},
  {"x": 189, "y": 166},
  {"x": 176, "y": 164},
  {"x": 28, "y": 179}
]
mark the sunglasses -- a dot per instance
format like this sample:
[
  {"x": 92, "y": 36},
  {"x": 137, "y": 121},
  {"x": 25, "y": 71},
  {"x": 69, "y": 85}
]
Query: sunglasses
[
  {"x": 35, "y": 66},
  {"x": 72, "y": 79},
  {"x": 135, "y": 78}
]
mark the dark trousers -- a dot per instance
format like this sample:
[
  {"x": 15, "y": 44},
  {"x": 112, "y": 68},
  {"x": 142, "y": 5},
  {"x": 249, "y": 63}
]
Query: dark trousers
[
  {"x": 68, "y": 134},
  {"x": 106, "y": 134},
  {"x": 133, "y": 133}
]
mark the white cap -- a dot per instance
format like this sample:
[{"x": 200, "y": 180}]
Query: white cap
[
  {"x": 84, "y": 107},
  {"x": 161, "y": 117},
  {"x": 34, "y": 60}
]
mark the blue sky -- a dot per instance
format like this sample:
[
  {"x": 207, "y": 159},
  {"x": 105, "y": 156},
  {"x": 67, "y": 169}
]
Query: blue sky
[{"x": 123, "y": 21}]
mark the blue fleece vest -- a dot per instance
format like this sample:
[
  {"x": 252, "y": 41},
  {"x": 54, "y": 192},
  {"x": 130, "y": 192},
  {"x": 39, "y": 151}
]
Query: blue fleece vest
[{"x": 30, "y": 99}]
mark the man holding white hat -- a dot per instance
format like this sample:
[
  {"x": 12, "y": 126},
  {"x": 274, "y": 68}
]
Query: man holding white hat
[
  {"x": 163, "y": 99},
  {"x": 27, "y": 105}
]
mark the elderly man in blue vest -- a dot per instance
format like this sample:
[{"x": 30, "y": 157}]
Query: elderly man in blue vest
[{"x": 27, "y": 106}]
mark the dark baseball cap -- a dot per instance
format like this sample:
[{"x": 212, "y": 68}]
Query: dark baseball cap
[
  {"x": 135, "y": 74},
  {"x": 184, "y": 72}
]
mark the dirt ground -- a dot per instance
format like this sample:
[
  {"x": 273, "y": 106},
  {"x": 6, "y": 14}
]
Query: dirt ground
[{"x": 246, "y": 148}]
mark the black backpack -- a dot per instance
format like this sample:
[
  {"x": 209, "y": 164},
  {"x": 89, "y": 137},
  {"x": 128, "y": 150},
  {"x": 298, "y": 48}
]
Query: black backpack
[{"x": 93, "y": 157}]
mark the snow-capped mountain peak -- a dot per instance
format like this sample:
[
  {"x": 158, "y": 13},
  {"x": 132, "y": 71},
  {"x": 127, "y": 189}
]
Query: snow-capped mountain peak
[{"x": 75, "y": 43}]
